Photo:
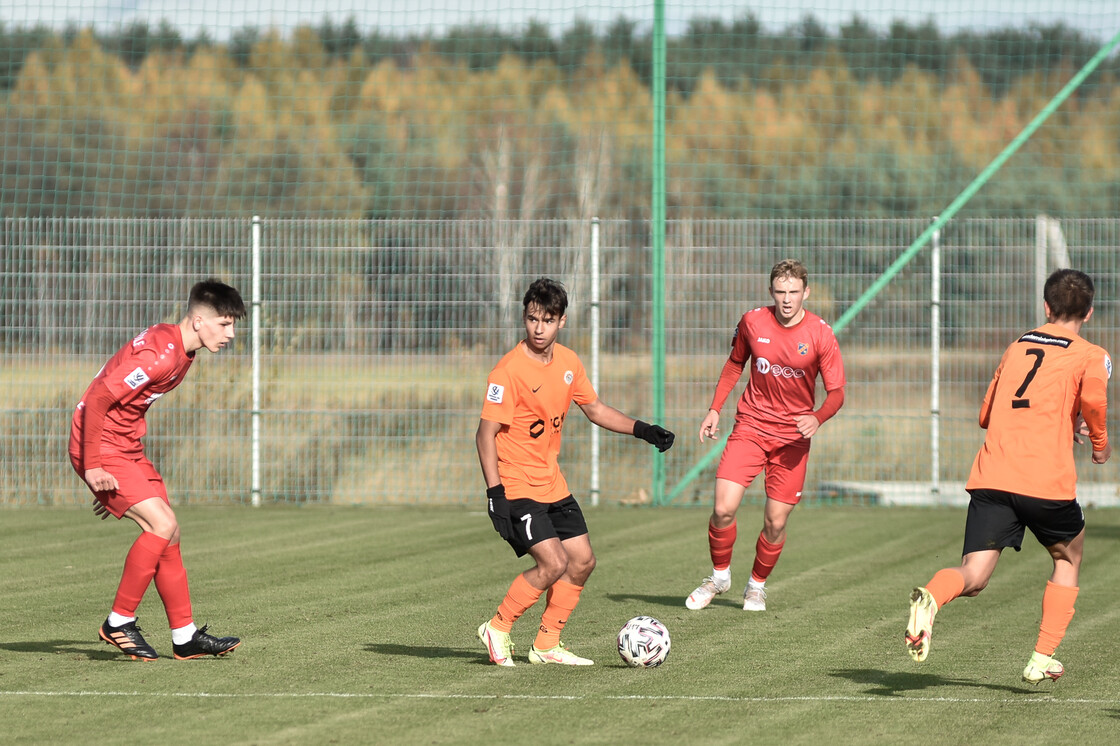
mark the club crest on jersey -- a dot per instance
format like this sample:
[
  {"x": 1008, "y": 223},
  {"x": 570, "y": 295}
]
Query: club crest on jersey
[
  {"x": 136, "y": 379},
  {"x": 495, "y": 393},
  {"x": 569, "y": 377},
  {"x": 802, "y": 348}
]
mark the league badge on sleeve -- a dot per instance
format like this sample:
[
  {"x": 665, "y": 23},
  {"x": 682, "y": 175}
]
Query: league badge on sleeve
[
  {"x": 136, "y": 379},
  {"x": 495, "y": 393}
]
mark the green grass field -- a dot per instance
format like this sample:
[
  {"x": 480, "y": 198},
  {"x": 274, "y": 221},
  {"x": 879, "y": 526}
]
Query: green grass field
[{"x": 358, "y": 626}]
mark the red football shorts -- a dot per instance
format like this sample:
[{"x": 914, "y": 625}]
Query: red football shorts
[
  {"x": 749, "y": 451},
  {"x": 137, "y": 478}
]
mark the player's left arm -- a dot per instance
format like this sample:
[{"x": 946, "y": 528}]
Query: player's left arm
[
  {"x": 832, "y": 374},
  {"x": 808, "y": 424},
  {"x": 609, "y": 418},
  {"x": 1094, "y": 407}
]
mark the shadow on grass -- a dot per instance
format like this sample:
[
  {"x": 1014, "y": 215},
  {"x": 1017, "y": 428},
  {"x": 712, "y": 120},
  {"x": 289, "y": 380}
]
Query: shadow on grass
[
  {"x": 426, "y": 651},
  {"x": 896, "y": 684},
  {"x": 668, "y": 601},
  {"x": 479, "y": 657},
  {"x": 93, "y": 650}
]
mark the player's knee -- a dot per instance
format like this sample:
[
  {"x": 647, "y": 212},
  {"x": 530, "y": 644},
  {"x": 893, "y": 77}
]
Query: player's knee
[
  {"x": 773, "y": 530},
  {"x": 722, "y": 518},
  {"x": 973, "y": 589},
  {"x": 553, "y": 570},
  {"x": 166, "y": 527},
  {"x": 580, "y": 571}
]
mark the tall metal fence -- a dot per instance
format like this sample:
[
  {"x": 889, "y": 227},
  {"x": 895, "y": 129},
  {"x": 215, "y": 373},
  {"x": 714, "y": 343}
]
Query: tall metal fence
[{"x": 377, "y": 337}]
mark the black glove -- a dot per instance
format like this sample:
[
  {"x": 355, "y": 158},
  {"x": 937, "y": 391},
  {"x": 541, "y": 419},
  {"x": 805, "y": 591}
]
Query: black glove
[
  {"x": 655, "y": 435},
  {"x": 498, "y": 507}
]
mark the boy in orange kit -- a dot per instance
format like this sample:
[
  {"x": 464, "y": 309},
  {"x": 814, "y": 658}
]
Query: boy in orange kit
[
  {"x": 528, "y": 394},
  {"x": 1049, "y": 389}
]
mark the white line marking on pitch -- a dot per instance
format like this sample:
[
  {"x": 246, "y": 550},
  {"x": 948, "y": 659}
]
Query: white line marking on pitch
[{"x": 1027, "y": 698}]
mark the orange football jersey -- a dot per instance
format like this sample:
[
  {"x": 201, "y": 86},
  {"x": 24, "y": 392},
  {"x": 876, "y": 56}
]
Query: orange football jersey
[
  {"x": 531, "y": 400},
  {"x": 1044, "y": 380}
]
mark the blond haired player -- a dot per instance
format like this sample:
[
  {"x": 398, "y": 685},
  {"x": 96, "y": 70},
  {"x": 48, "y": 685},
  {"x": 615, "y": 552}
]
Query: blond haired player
[
  {"x": 774, "y": 424},
  {"x": 528, "y": 394},
  {"x": 1050, "y": 388}
]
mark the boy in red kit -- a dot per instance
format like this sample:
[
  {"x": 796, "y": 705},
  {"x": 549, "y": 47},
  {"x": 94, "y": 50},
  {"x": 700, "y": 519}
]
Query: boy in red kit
[
  {"x": 1050, "y": 388},
  {"x": 106, "y": 452},
  {"x": 518, "y": 440},
  {"x": 773, "y": 425}
]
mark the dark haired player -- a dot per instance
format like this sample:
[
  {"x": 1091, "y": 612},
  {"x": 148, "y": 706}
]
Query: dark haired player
[
  {"x": 106, "y": 451},
  {"x": 528, "y": 394},
  {"x": 1049, "y": 389}
]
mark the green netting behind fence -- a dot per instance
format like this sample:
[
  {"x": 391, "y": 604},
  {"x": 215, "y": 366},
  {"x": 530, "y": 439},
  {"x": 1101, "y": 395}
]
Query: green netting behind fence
[
  {"x": 377, "y": 337},
  {"x": 415, "y": 164}
]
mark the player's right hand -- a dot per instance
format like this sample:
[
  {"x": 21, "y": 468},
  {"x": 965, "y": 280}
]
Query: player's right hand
[
  {"x": 710, "y": 426},
  {"x": 498, "y": 507},
  {"x": 100, "y": 480},
  {"x": 1100, "y": 457}
]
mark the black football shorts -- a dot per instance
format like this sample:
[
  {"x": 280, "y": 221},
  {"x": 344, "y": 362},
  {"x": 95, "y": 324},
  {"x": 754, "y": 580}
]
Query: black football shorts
[
  {"x": 534, "y": 522},
  {"x": 997, "y": 520}
]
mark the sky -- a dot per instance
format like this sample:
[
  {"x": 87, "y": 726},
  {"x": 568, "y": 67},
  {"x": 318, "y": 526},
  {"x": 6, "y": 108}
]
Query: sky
[{"x": 1096, "y": 18}]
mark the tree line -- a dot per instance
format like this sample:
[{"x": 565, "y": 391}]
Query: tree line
[{"x": 480, "y": 122}]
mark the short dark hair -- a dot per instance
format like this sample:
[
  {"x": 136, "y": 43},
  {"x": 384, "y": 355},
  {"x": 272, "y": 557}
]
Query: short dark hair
[
  {"x": 548, "y": 295},
  {"x": 1069, "y": 293},
  {"x": 216, "y": 295}
]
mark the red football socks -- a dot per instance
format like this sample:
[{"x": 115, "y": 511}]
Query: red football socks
[
  {"x": 139, "y": 568},
  {"x": 171, "y": 582},
  {"x": 765, "y": 557},
  {"x": 720, "y": 542}
]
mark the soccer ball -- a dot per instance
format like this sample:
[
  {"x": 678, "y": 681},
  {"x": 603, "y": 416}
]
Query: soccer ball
[{"x": 643, "y": 642}]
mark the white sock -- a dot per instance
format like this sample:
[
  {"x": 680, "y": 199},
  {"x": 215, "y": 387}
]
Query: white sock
[
  {"x": 754, "y": 585},
  {"x": 116, "y": 620},
  {"x": 183, "y": 635},
  {"x": 721, "y": 576}
]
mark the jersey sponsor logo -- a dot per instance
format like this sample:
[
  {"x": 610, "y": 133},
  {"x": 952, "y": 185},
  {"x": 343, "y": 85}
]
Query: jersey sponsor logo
[
  {"x": 569, "y": 377},
  {"x": 763, "y": 340},
  {"x": 136, "y": 379},
  {"x": 763, "y": 366},
  {"x": 1108, "y": 365},
  {"x": 1042, "y": 338},
  {"x": 538, "y": 427},
  {"x": 495, "y": 393},
  {"x": 802, "y": 348}
]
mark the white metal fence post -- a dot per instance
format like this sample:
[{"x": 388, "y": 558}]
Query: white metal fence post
[
  {"x": 256, "y": 324},
  {"x": 935, "y": 364},
  {"x": 595, "y": 354}
]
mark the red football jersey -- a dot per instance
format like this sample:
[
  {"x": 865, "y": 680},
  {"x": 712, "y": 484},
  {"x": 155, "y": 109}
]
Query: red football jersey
[
  {"x": 145, "y": 369},
  {"x": 784, "y": 373}
]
